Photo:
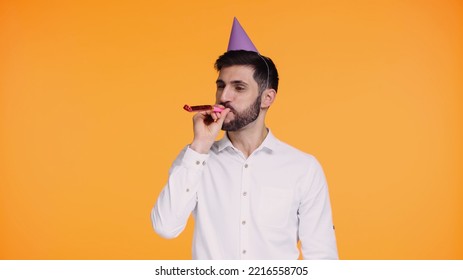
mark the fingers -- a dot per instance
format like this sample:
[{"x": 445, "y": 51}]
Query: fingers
[
  {"x": 214, "y": 116},
  {"x": 203, "y": 118},
  {"x": 222, "y": 115},
  {"x": 210, "y": 117}
]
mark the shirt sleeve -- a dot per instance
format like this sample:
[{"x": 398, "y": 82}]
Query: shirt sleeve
[
  {"x": 179, "y": 196},
  {"x": 316, "y": 230}
]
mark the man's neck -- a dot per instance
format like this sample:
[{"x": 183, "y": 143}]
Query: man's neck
[{"x": 248, "y": 139}]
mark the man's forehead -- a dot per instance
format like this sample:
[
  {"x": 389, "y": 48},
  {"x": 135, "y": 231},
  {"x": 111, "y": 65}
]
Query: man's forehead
[{"x": 236, "y": 73}]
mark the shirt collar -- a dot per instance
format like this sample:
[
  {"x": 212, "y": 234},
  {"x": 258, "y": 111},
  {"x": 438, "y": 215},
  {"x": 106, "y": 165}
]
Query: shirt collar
[{"x": 270, "y": 142}]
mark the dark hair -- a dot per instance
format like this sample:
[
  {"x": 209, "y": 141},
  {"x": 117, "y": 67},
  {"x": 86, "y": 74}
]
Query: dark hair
[{"x": 258, "y": 62}]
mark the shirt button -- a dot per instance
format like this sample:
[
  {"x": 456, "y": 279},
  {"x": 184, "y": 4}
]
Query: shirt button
[
  {"x": 187, "y": 190},
  {"x": 198, "y": 162},
  {"x": 243, "y": 222},
  {"x": 246, "y": 165},
  {"x": 204, "y": 162},
  {"x": 244, "y": 251},
  {"x": 245, "y": 193}
]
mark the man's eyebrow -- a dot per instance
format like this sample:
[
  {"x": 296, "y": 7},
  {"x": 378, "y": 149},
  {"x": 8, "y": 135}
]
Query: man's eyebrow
[
  {"x": 232, "y": 82},
  {"x": 238, "y": 82}
]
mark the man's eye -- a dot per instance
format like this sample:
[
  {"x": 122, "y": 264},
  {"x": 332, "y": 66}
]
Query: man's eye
[
  {"x": 239, "y": 88},
  {"x": 220, "y": 86}
]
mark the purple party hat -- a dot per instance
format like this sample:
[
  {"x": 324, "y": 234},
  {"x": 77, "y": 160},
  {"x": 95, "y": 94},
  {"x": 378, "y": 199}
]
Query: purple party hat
[{"x": 239, "y": 40}]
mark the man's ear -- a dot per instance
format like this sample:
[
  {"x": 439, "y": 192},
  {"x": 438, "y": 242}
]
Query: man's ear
[{"x": 268, "y": 96}]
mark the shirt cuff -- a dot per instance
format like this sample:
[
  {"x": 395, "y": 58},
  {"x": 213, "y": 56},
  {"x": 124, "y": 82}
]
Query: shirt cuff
[{"x": 193, "y": 159}]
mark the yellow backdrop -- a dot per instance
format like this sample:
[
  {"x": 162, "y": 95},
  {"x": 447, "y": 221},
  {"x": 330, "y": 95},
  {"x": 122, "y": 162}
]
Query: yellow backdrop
[{"x": 91, "y": 97}]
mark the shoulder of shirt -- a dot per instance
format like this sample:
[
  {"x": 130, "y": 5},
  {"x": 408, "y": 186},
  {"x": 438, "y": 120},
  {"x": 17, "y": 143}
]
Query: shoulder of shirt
[
  {"x": 299, "y": 160},
  {"x": 283, "y": 147}
]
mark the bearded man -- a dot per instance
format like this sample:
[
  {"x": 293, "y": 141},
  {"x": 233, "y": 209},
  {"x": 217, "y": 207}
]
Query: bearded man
[{"x": 252, "y": 196}]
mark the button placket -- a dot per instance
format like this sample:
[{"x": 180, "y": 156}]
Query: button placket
[{"x": 244, "y": 222}]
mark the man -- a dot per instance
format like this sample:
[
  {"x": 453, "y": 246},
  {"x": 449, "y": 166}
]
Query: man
[{"x": 252, "y": 196}]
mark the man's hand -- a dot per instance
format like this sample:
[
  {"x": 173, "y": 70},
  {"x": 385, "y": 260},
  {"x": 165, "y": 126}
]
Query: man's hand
[{"x": 206, "y": 127}]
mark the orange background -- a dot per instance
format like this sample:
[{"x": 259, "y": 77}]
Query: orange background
[{"x": 91, "y": 95}]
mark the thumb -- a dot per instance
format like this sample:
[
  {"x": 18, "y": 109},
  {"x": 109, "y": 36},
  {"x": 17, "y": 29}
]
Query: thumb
[{"x": 222, "y": 116}]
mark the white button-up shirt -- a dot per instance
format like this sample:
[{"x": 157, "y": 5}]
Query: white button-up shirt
[{"x": 248, "y": 208}]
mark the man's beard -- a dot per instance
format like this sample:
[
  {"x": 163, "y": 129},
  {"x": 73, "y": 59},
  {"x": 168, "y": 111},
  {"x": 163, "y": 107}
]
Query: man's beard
[{"x": 244, "y": 118}]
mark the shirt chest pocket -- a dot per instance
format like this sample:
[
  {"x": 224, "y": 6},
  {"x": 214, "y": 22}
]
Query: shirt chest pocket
[{"x": 274, "y": 206}]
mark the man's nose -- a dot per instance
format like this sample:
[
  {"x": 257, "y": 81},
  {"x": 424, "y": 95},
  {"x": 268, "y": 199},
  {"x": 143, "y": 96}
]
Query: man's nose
[{"x": 226, "y": 95}]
